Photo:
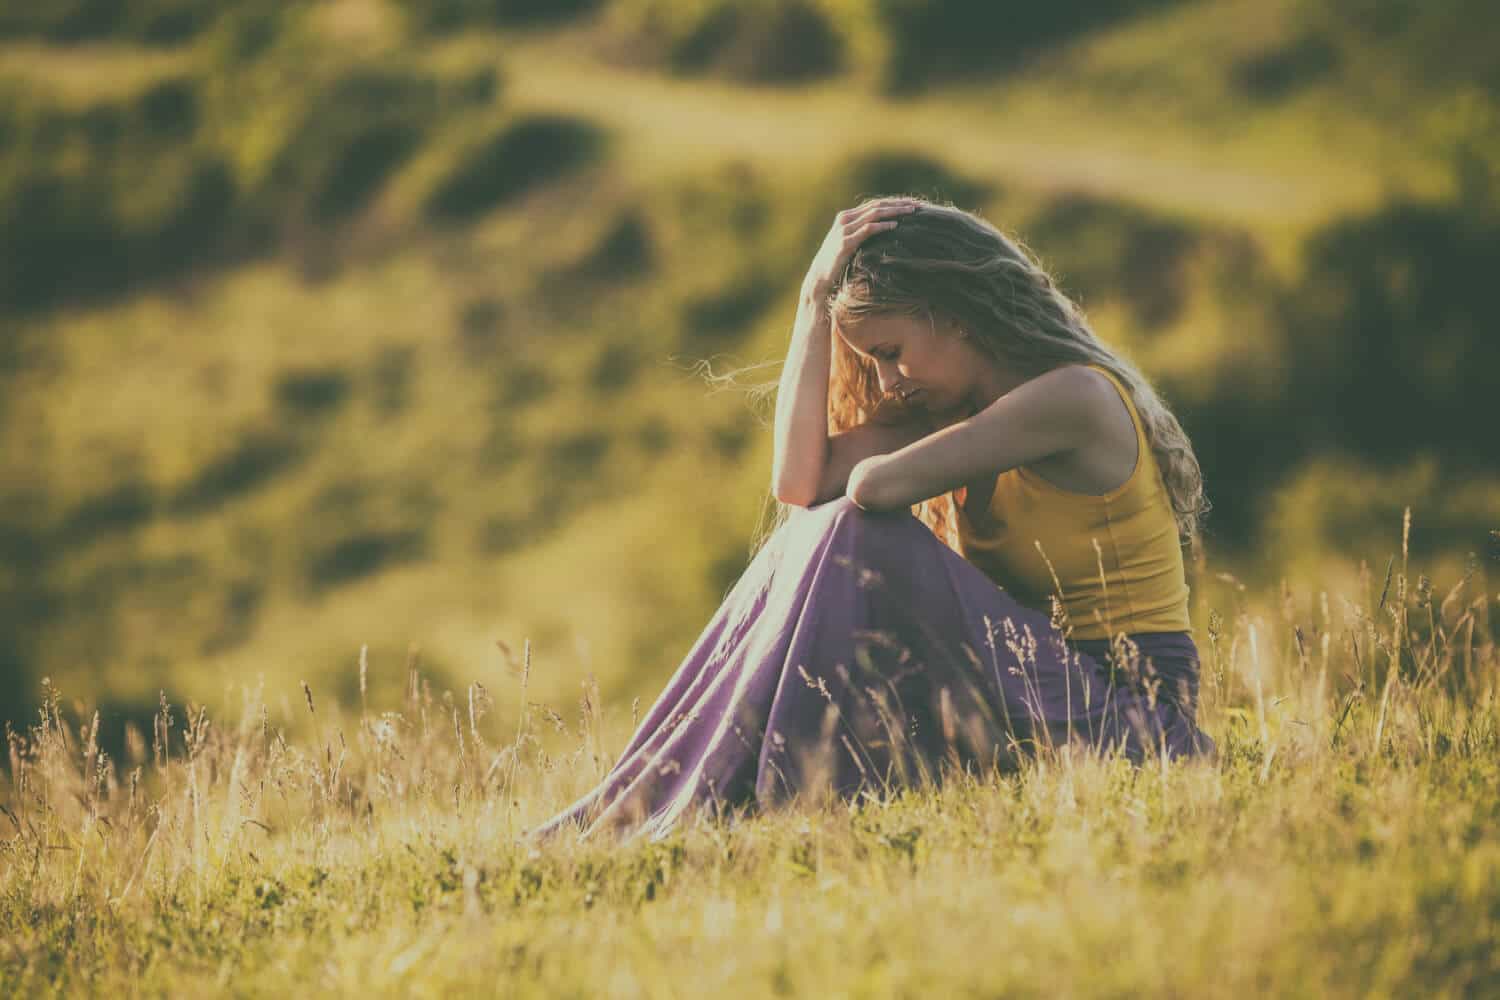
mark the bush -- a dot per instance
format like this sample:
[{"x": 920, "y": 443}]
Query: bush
[
  {"x": 479, "y": 328},
  {"x": 169, "y": 109},
  {"x": 723, "y": 316},
  {"x": 306, "y": 393},
  {"x": 85, "y": 212},
  {"x": 121, "y": 508},
  {"x": 773, "y": 41},
  {"x": 931, "y": 40},
  {"x": 1105, "y": 246},
  {"x": 615, "y": 368},
  {"x": 351, "y": 138},
  {"x": 1391, "y": 328},
  {"x": 1275, "y": 74},
  {"x": 442, "y": 16},
  {"x": 155, "y": 22},
  {"x": 529, "y": 153},
  {"x": 59, "y": 238},
  {"x": 624, "y": 251},
  {"x": 360, "y": 555},
  {"x": 250, "y": 464},
  {"x": 1389, "y": 362},
  {"x": 892, "y": 172},
  {"x": 357, "y": 171},
  {"x": 1434, "y": 46}
]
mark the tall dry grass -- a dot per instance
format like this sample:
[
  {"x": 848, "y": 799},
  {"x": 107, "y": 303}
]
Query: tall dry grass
[{"x": 1345, "y": 842}]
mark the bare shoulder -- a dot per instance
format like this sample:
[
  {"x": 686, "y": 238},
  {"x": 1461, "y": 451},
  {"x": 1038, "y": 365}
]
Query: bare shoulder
[
  {"x": 1076, "y": 395},
  {"x": 1079, "y": 383},
  {"x": 1096, "y": 401},
  {"x": 1103, "y": 452}
]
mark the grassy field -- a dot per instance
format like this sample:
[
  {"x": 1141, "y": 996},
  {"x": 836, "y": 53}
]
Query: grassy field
[
  {"x": 1346, "y": 843},
  {"x": 354, "y": 351}
]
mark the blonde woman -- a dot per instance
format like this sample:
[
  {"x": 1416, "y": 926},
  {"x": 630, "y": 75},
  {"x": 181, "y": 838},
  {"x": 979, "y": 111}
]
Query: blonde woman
[{"x": 979, "y": 553}]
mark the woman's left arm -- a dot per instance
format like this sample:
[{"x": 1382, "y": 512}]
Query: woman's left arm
[{"x": 1055, "y": 412}]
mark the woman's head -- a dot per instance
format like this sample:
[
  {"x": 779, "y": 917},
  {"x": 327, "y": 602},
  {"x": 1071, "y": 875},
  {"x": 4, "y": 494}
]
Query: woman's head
[
  {"x": 940, "y": 374},
  {"x": 973, "y": 315}
]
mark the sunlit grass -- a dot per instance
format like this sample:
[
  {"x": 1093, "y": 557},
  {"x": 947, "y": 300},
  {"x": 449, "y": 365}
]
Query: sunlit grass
[
  {"x": 1343, "y": 844},
  {"x": 152, "y": 387}
]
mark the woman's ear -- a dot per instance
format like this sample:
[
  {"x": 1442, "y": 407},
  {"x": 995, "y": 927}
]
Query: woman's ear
[{"x": 935, "y": 320}]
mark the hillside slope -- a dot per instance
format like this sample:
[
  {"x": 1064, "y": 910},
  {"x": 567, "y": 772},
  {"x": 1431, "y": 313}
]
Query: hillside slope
[{"x": 333, "y": 328}]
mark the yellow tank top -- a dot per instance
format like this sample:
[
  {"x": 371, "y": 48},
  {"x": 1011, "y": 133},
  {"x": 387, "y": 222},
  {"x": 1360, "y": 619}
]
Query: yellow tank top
[{"x": 1144, "y": 585}]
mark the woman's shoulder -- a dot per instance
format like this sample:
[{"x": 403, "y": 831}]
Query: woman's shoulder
[
  {"x": 1107, "y": 460},
  {"x": 1103, "y": 391},
  {"x": 1095, "y": 378},
  {"x": 1078, "y": 379},
  {"x": 1091, "y": 393}
]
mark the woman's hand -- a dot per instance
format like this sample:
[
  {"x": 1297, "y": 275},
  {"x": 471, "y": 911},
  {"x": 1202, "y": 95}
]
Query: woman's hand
[{"x": 850, "y": 228}]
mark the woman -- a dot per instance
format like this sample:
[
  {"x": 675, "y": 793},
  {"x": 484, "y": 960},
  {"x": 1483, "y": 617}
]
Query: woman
[{"x": 981, "y": 554}]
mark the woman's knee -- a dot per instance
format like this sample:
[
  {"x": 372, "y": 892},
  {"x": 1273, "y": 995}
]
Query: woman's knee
[
  {"x": 862, "y": 529},
  {"x": 844, "y": 508},
  {"x": 877, "y": 528}
]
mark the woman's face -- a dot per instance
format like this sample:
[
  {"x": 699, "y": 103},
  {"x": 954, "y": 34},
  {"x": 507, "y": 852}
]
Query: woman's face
[{"x": 945, "y": 374}]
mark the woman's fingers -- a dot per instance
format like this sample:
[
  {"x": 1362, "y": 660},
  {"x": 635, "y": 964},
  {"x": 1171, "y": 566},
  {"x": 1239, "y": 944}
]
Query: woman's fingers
[
  {"x": 851, "y": 227},
  {"x": 880, "y": 225},
  {"x": 878, "y": 209},
  {"x": 877, "y": 218},
  {"x": 866, "y": 222}
]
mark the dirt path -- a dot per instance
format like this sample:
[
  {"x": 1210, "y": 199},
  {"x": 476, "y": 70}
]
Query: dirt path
[{"x": 1018, "y": 136}]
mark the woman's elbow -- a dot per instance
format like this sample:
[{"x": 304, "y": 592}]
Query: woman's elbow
[{"x": 794, "y": 496}]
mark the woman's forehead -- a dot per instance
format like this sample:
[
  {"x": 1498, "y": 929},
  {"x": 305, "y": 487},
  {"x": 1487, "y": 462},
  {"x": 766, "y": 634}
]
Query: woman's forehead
[{"x": 878, "y": 327}]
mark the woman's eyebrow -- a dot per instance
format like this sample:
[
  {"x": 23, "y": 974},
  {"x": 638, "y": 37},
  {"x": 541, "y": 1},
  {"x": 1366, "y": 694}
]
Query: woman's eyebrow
[{"x": 871, "y": 352}]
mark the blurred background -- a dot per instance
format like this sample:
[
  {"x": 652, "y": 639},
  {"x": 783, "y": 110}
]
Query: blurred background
[{"x": 391, "y": 324}]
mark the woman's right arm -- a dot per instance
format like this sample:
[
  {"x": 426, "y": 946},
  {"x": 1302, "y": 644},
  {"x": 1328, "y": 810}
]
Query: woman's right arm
[
  {"x": 807, "y": 465},
  {"x": 802, "y": 405}
]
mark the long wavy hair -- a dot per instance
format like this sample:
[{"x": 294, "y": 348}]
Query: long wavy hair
[{"x": 958, "y": 270}]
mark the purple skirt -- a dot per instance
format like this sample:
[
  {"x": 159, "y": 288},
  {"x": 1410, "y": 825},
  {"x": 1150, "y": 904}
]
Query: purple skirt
[{"x": 857, "y": 651}]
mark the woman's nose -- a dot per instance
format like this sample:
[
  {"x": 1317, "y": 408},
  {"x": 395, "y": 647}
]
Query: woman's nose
[{"x": 888, "y": 375}]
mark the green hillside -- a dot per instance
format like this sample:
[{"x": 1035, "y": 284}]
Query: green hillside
[{"x": 375, "y": 323}]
